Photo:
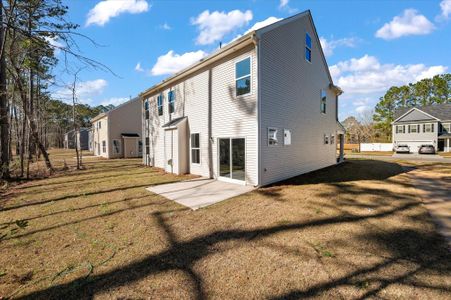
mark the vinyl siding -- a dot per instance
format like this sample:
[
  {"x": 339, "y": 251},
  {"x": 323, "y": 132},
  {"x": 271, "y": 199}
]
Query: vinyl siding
[
  {"x": 415, "y": 115},
  {"x": 231, "y": 116},
  {"x": 290, "y": 99},
  {"x": 100, "y": 135},
  {"x": 123, "y": 119}
]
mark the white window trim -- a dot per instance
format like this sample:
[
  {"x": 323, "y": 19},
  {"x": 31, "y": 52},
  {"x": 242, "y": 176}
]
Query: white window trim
[
  {"x": 277, "y": 139},
  {"x": 192, "y": 148},
  {"x": 114, "y": 147},
  {"x": 250, "y": 75},
  {"x": 430, "y": 127},
  {"x": 158, "y": 105},
  {"x": 413, "y": 126},
  {"x": 310, "y": 48},
  {"x": 321, "y": 102}
]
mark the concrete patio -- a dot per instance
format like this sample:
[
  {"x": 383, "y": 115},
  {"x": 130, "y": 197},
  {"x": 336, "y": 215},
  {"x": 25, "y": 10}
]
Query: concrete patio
[{"x": 199, "y": 192}]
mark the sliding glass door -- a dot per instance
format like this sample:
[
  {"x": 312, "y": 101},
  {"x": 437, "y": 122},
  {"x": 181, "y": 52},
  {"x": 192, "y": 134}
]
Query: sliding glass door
[{"x": 232, "y": 158}]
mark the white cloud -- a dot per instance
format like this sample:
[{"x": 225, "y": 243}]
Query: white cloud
[
  {"x": 115, "y": 101},
  {"x": 172, "y": 62},
  {"x": 258, "y": 25},
  {"x": 367, "y": 75},
  {"x": 85, "y": 90},
  {"x": 283, "y": 5},
  {"x": 362, "y": 105},
  {"x": 214, "y": 26},
  {"x": 55, "y": 44},
  {"x": 445, "y": 7},
  {"x": 330, "y": 45},
  {"x": 409, "y": 23},
  {"x": 138, "y": 68},
  {"x": 165, "y": 26},
  {"x": 107, "y": 9}
]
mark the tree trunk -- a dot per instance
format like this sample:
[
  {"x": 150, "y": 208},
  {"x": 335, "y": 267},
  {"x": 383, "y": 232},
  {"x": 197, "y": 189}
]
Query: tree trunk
[{"x": 4, "y": 122}]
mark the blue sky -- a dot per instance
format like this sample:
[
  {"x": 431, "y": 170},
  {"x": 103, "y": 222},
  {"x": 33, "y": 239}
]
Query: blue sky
[{"x": 369, "y": 45}]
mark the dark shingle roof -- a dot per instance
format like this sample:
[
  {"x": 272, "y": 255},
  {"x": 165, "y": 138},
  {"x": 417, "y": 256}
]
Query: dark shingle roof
[{"x": 440, "y": 111}]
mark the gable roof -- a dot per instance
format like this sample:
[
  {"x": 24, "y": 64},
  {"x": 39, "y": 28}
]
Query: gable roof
[
  {"x": 438, "y": 111},
  {"x": 101, "y": 115},
  {"x": 238, "y": 44}
]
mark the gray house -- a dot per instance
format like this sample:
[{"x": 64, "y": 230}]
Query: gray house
[
  {"x": 81, "y": 136},
  {"x": 261, "y": 109},
  {"x": 423, "y": 125}
]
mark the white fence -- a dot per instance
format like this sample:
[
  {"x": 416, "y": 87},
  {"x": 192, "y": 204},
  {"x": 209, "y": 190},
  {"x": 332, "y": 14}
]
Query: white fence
[{"x": 376, "y": 147}]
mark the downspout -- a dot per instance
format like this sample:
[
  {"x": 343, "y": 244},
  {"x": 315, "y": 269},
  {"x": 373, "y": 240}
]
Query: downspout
[
  {"x": 210, "y": 138},
  {"x": 259, "y": 144}
]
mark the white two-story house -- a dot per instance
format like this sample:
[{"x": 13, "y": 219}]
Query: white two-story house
[
  {"x": 425, "y": 125},
  {"x": 259, "y": 110}
]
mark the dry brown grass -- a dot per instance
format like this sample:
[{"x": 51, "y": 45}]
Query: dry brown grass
[{"x": 352, "y": 231}]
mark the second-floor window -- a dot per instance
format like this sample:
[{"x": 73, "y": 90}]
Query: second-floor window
[
  {"x": 308, "y": 47},
  {"x": 428, "y": 127},
  {"x": 99, "y": 125},
  {"x": 400, "y": 129},
  {"x": 446, "y": 127},
  {"x": 146, "y": 109},
  {"x": 414, "y": 128},
  {"x": 160, "y": 104},
  {"x": 323, "y": 101},
  {"x": 243, "y": 77},
  {"x": 171, "y": 101}
]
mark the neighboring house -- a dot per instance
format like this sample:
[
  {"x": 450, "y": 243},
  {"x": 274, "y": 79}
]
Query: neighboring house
[
  {"x": 423, "y": 125},
  {"x": 81, "y": 136},
  {"x": 115, "y": 133},
  {"x": 259, "y": 110}
]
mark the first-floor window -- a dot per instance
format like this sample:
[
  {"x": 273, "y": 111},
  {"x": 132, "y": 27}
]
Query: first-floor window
[
  {"x": 104, "y": 146},
  {"x": 272, "y": 137},
  {"x": 428, "y": 127},
  {"x": 195, "y": 148},
  {"x": 117, "y": 146}
]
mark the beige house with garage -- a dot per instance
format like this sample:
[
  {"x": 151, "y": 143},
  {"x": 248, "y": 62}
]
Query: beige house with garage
[
  {"x": 259, "y": 110},
  {"x": 117, "y": 132}
]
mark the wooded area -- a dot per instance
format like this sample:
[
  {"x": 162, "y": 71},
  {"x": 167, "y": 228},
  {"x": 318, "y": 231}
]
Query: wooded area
[{"x": 32, "y": 32}]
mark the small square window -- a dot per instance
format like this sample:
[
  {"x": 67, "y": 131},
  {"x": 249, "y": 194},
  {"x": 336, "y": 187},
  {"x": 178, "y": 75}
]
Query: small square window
[{"x": 272, "y": 137}]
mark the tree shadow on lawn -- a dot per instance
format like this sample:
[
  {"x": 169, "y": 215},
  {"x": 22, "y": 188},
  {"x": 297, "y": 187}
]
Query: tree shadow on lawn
[
  {"x": 424, "y": 250},
  {"x": 350, "y": 170}
]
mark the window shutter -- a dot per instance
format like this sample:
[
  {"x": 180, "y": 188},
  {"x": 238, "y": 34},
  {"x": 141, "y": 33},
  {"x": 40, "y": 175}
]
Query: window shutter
[
  {"x": 418, "y": 128},
  {"x": 432, "y": 127},
  {"x": 408, "y": 128},
  {"x": 424, "y": 127}
]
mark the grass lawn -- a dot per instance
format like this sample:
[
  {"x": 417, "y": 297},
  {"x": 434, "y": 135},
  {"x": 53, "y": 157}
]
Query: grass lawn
[{"x": 356, "y": 230}]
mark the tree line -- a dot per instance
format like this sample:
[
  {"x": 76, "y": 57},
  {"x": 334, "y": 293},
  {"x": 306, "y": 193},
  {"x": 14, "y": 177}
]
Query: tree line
[{"x": 31, "y": 121}]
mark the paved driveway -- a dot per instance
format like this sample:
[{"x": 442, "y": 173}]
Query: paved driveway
[{"x": 199, "y": 192}]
